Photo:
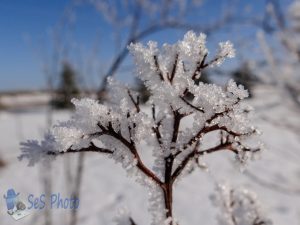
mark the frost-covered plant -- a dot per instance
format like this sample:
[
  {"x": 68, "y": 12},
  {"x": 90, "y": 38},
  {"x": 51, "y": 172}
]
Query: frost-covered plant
[
  {"x": 119, "y": 128},
  {"x": 238, "y": 207}
]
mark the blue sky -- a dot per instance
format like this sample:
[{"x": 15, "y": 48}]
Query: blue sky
[
  {"x": 25, "y": 26},
  {"x": 19, "y": 22}
]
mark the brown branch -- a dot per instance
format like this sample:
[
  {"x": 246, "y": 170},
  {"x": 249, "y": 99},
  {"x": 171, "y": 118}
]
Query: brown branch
[
  {"x": 200, "y": 66},
  {"x": 173, "y": 72},
  {"x": 153, "y": 112},
  {"x": 130, "y": 132},
  {"x": 168, "y": 183},
  {"x": 183, "y": 67},
  {"x": 219, "y": 147},
  {"x": 167, "y": 189},
  {"x": 183, "y": 164},
  {"x": 160, "y": 74},
  {"x": 177, "y": 119},
  {"x": 216, "y": 127},
  {"x": 196, "y": 153},
  {"x": 247, "y": 149},
  {"x": 227, "y": 110},
  {"x": 191, "y": 105},
  {"x": 199, "y": 134},
  {"x": 132, "y": 148},
  {"x": 136, "y": 103},
  {"x": 222, "y": 146},
  {"x": 208, "y": 129},
  {"x": 91, "y": 148},
  {"x": 129, "y": 144},
  {"x": 157, "y": 132},
  {"x": 211, "y": 62}
]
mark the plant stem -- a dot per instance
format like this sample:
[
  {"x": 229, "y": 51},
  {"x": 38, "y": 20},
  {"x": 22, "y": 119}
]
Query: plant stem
[
  {"x": 168, "y": 188},
  {"x": 168, "y": 196}
]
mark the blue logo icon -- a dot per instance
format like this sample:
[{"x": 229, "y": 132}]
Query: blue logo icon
[
  {"x": 18, "y": 209},
  {"x": 15, "y": 207},
  {"x": 11, "y": 200}
]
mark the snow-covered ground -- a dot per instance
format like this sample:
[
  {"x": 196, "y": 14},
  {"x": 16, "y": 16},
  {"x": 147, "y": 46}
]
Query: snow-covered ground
[
  {"x": 275, "y": 177},
  {"x": 24, "y": 99}
]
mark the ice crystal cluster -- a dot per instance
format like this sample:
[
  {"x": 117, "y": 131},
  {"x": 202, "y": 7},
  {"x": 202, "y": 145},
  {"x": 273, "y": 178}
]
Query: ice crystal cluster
[
  {"x": 238, "y": 207},
  {"x": 119, "y": 127}
]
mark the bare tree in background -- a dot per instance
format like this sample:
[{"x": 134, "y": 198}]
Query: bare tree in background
[
  {"x": 283, "y": 60},
  {"x": 279, "y": 42},
  {"x": 133, "y": 20},
  {"x": 54, "y": 54}
]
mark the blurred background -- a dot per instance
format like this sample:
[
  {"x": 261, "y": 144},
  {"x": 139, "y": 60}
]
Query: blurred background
[{"x": 53, "y": 51}]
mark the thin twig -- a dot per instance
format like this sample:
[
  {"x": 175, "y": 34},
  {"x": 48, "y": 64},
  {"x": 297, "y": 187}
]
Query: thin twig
[
  {"x": 160, "y": 74},
  {"x": 173, "y": 72},
  {"x": 136, "y": 103}
]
